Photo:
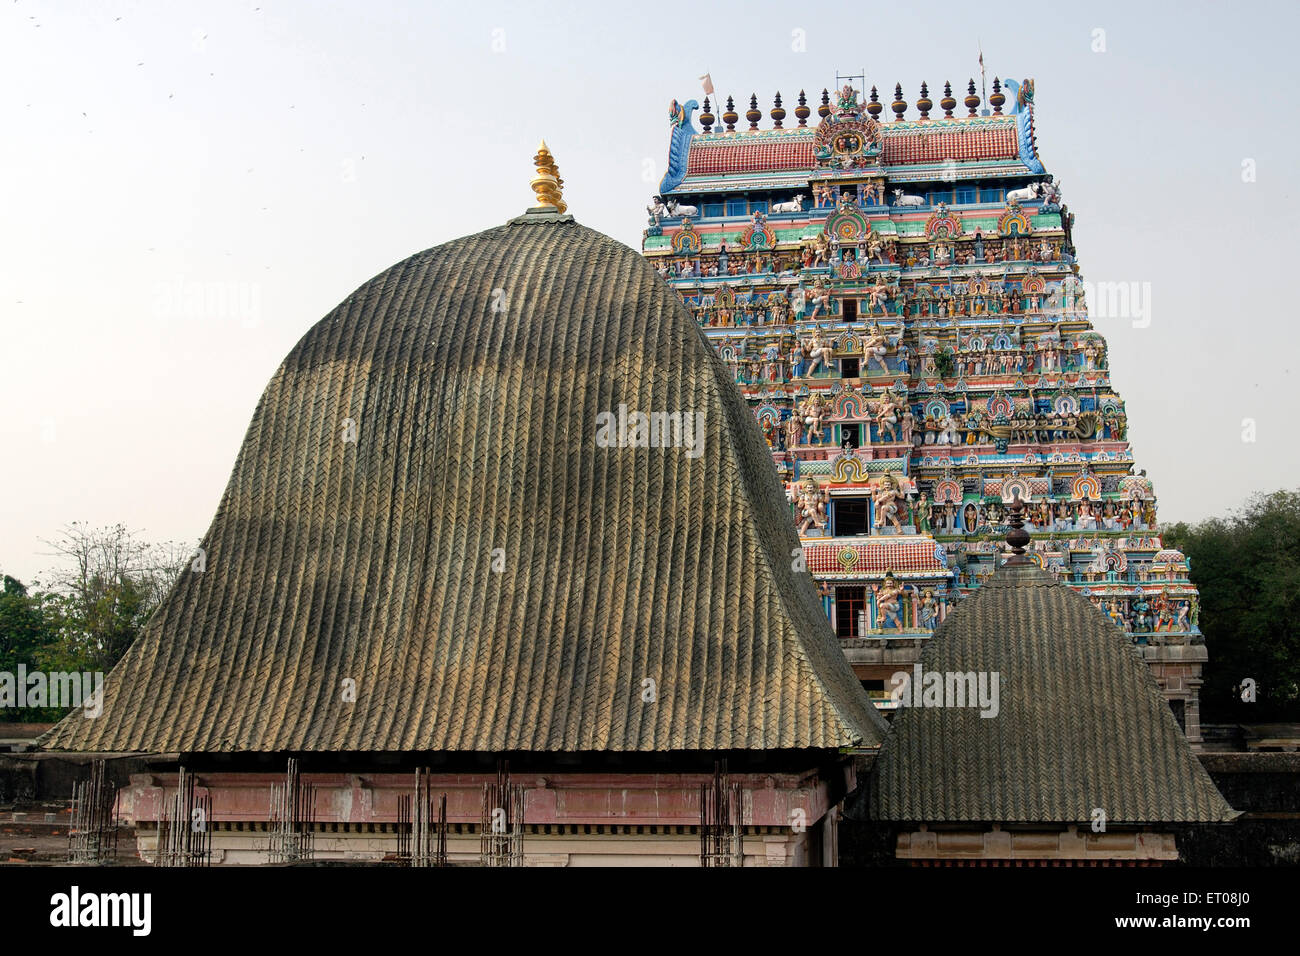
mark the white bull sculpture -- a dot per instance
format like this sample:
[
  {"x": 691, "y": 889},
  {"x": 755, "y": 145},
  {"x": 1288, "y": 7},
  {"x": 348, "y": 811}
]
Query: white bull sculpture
[{"x": 1024, "y": 195}]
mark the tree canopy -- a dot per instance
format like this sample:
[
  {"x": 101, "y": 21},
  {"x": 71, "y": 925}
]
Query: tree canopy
[
  {"x": 1247, "y": 568},
  {"x": 91, "y": 610}
]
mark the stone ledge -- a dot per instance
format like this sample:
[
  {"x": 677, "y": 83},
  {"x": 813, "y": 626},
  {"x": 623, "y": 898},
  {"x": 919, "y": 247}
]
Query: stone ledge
[{"x": 1251, "y": 762}]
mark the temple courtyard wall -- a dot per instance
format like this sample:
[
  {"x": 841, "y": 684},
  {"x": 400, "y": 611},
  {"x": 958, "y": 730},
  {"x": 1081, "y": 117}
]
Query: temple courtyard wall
[{"x": 1266, "y": 785}]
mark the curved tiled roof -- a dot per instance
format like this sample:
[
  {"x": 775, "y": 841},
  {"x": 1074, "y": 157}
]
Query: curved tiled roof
[
  {"x": 944, "y": 141},
  {"x": 791, "y": 150},
  {"x": 874, "y": 556},
  {"x": 724, "y": 153},
  {"x": 473, "y": 374},
  {"x": 1081, "y": 723}
]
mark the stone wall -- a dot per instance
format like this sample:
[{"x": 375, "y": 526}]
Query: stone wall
[{"x": 47, "y": 777}]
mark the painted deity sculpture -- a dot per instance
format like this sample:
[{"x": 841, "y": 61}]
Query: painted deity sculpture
[
  {"x": 888, "y": 502},
  {"x": 889, "y": 608},
  {"x": 793, "y": 431},
  {"x": 814, "y": 411},
  {"x": 929, "y": 613},
  {"x": 887, "y": 417},
  {"x": 819, "y": 352},
  {"x": 821, "y": 297},
  {"x": 875, "y": 346},
  {"x": 949, "y": 433},
  {"x": 798, "y": 361},
  {"x": 878, "y": 295},
  {"x": 772, "y": 362},
  {"x": 812, "y": 506}
]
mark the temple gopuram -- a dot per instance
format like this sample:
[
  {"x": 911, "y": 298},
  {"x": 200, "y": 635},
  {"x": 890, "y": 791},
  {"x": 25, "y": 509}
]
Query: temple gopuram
[{"x": 900, "y": 304}]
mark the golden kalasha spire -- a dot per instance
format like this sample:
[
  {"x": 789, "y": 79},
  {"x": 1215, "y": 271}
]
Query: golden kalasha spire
[{"x": 548, "y": 184}]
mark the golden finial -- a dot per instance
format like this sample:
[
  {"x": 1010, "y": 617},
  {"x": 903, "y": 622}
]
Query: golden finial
[
  {"x": 547, "y": 183},
  {"x": 561, "y": 205}
]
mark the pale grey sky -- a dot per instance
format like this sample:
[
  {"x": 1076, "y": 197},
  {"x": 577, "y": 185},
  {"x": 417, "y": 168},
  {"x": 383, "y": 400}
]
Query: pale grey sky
[{"x": 187, "y": 187}]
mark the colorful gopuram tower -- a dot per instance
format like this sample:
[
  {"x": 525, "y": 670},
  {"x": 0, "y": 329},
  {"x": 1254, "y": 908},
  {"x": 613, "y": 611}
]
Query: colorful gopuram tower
[{"x": 900, "y": 303}]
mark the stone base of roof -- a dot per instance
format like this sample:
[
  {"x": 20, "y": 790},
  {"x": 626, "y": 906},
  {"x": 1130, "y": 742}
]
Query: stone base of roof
[
  {"x": 570, "y": 817},
  {"x": 1048, "y": 844},
  {"x": 542, "y": 846}
]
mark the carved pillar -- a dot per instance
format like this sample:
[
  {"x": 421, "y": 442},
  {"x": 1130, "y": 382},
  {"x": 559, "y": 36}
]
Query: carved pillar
[{"x": 1192, "y": 712}]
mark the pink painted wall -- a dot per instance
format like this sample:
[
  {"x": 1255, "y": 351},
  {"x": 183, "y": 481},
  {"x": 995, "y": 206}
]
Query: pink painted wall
[{"x": 560, "y": 798}]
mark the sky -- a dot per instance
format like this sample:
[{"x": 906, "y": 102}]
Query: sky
[{"x": 186, "y": 188}]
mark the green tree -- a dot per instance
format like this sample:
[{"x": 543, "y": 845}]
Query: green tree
[
  {"x": 24, "y": 626},
  {"x": 28, "y": 627},
  {"x": 945, "y": 363},
  {"x": 107, "y": 590},
  {"x": 96, "y": 603},
  {"x": 1247, "y": 569}
]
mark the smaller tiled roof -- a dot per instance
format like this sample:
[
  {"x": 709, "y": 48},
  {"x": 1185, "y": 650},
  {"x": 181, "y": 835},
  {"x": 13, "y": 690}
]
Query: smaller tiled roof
[
  {"x": 962, "y": 143},
  {"x": 1081, "y": 725},
  {"x": 777, "y": 151},
  {"x": 873, "y": 557},
  {"x": 714, "y": 154}
]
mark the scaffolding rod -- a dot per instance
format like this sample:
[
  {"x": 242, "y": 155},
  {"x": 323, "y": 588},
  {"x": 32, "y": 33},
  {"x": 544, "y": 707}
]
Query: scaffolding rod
[
  {"x": 422, "y": 835},
  {"x": 503, "y": 821},
  {"x": 293, "y": 819},
  {"x": 92, "y": 837},
  {"x": 722, "y": 832},
  {"x": 184, "y": 827}
]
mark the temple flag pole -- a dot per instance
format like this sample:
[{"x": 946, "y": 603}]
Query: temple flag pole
[{"x": 984, "y": 84}]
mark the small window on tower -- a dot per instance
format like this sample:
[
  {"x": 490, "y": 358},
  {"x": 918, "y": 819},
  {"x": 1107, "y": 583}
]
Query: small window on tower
[
  {"x": 850, "y": 516},
  {"x": 712, "y": 210},
  {"x": 848, "y": 368},
  {"x": 849, "y": 433},
  {"x": 735, "y": 207},
  {"x": 849, "y": 602},
  {"x": 850, "y": 310}
]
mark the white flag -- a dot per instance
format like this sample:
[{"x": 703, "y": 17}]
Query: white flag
[{"x": 707, "y": 80}]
